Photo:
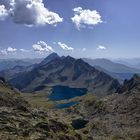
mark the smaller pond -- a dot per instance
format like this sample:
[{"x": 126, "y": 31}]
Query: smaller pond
[
  {"x": 66, "y": 105},
  {"x": 65, "y": 93},
  {"x": 79, "y": 123}
]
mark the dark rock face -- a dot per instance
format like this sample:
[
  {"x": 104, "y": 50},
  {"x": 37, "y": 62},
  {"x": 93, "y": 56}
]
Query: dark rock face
[{"x": 66, "y": 71}]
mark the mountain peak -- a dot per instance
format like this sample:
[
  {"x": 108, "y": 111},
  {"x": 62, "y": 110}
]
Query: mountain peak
[
  {"x": 69, "y": 58},
  {"x": 49, "y": 58},
  {"x": 52, "y": 55}
]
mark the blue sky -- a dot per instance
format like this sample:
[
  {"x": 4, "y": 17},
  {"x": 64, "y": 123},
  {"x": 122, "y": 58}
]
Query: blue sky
[{"x": 115, "y": 35}]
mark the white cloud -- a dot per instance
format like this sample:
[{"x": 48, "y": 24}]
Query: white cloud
[
  {"x": 7, "y": 3},
  {"x": 3, "y": 52},
  {"x": 24, "y": 50},
  {"x": 3, "y": 12},
  {"x": 85, "y": 17},
  {"x": 10, "y": 49},
  {"x": 101, "y": 47},
  {"x": 31, "y": 12},
  {"x": 65, "y": 47},
  {"x": 42, "y": 47},
  {"x": 7, "y": 51}
]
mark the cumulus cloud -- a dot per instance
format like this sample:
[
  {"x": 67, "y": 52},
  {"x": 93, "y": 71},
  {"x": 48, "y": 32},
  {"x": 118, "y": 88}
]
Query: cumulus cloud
[
  {"x": 7, "y": 3},
  {"x": 85, "y": 17},
  {"x": 101, "y": 47},
  {"x": 3, "y": 12},
  {"x": 30, "y": 12},
  {"x": 7, "y": 51},
  {"x": 65, "y": 47},
  {"x": 42, "y": 47}
]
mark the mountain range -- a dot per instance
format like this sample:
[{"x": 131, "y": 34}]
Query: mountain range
[
  {"x": 111, "y": 66},
  {"x": 65, "y": 71},
  {"x": 11, "y": 63},
  {"x": 119, "y": 69},
  {"x": 116, "y": 70}
]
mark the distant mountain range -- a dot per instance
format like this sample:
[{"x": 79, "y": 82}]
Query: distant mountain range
[
  {"x": 138, "y": 65},
  {"x": 67, "y": 71},
  {"x": 117, "y": 70},
  {"x": 111, "y": 66},
  {"x": 11, "y": 63},
  {"x": 64, "y": 71},
  {"x": 134, "y": 62}
]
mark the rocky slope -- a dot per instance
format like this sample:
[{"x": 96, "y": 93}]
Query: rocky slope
[
  {"x": 66, "y": 71},
  {"x": 18, "y": 121},
  {"x": 115, "y": 117}
]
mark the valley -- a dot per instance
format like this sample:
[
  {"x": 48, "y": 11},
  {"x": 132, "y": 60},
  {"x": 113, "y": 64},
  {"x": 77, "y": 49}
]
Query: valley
[{"x": 70, "y": 100}]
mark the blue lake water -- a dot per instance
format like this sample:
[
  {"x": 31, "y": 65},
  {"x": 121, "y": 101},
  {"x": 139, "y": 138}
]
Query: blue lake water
[{"x": 64, "y": 92}]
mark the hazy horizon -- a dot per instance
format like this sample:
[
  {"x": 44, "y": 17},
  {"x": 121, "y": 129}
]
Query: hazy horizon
[{"x": 134, "y": 60}]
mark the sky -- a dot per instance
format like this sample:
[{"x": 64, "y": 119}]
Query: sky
[{"x": 80, "y": 28}]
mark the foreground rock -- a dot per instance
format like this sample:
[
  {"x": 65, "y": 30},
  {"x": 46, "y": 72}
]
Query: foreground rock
[
  {"x": 19, "y": 122},
  {"x": 115, "y": 117}
]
